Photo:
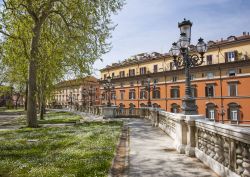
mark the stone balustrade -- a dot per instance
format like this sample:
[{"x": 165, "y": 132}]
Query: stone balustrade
[{"x": 224, "y": 148}]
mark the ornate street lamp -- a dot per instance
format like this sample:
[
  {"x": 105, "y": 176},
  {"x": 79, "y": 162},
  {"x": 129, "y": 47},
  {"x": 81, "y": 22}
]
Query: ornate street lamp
[
  {"x": 84, "y": 94},
  {"x": 70, "y": 99},
  {"x": 148, "y": 88},
  {"x": 182, "y": 59},
  {"x": 108, "y": 87},
  {"x": 91, "y": 93}
]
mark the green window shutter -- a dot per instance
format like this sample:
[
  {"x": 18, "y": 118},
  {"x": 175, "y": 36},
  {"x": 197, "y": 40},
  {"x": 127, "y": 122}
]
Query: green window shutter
[
  {"x": 226, "y": 57},
  {"x": 206, "y": 92},
  {"x": 236, "y": 55}
]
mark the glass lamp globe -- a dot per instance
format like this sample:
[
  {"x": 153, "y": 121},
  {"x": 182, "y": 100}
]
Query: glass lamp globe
[
  {"x": 174, "y": 51},
  {"x": 201, "y": 46},
  {"x": 185, "y": 27},
  {"x": 184, "y": 41}
]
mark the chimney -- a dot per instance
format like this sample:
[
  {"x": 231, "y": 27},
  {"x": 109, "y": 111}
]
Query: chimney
[{"x": 244, "y": 33}]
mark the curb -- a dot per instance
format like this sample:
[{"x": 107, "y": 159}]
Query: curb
[{"x": 119, "y": 166}]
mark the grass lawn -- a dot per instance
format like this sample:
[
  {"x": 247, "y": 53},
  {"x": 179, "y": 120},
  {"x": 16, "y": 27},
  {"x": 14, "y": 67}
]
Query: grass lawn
[
  {"x": 49, "y": 118},
  {"x": 13, "y": 110},
  {"x": 59, "y": 117},
  {"x": 81, "y": 150}
]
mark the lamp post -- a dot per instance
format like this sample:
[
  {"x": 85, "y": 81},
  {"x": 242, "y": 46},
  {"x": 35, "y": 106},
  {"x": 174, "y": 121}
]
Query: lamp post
[
  {"x": 84, "y": 94},
  {"x": 148, "y": 88},
  {"x": 91, "y": 93},
  {"x": 108, "y": 87},
  {"x": 71, "y": 99},
  {"x": 222, "y": 113},
  {"x": 182, "y": 59}
]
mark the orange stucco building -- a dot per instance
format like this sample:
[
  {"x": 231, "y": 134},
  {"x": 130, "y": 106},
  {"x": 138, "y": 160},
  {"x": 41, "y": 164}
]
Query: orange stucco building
[{"x": 221, "y": 85}]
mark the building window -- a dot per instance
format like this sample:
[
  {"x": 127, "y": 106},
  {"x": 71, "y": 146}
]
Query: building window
[
  {"x": 230, "y": 56},
  {"x": 192, "y": 76},
  {"x": 143, "y": 105},
  {"x": 156, "y": 93},
  {"x": 142, "y": 70},
  {"x": 121, "y": 108},
  {"x": 122, "y": 73},
  {"x": 232, "y": 72},
  {"x": 175, "y": 93},
  {"x": 155, "y": 68},
  {"x": 113, "y": 75},
  {"x": 209, "y": 59},
  {"x": 132, "y": 72},
  {"x": 209, "y": 90},
  {"x": 175, "y": 108},
  {"x": 232, "y": 89},
  {"x": 132, "y": 94},
  {"x": 174, "y": 78},
  {"x": 122, "y": 94},
  {"x": 194, "y": 91},
  {"x": 155, "y": 105},
  {"x": 131, "y": 108},
  {"x": 113, "y": 96},
  {"x": 172, "y": 66},
  {"x": 105, "y": 76},
  {"x": 233, "y": 111},
  {"x": 211, "y": 111},
  {"x": 143, "y": 94},
  {"x": 210, "y": 75},
  {"x": 131, "y": 83}
]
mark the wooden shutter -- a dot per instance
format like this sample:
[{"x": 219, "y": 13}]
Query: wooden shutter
[
  {"x": 238, "y": 114},
  {"x": 172, "y": 93},
  {"x": 207, "y": 115},
  {"x": 226, "y": 57},
  {"x": 228, "y": 114},
  {"x": 195, "y": 92},
  {"x": 206, "y": 91},
  {"x": 215, "y": 114},
  {"x": 236, "y": 55},
  {"x": 171, "y": 66},
  {"x": 178, "y": 93}
]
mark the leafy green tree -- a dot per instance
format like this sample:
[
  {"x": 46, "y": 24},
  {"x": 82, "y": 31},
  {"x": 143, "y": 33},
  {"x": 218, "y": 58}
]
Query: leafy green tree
[{"x": 80, "y": 27}]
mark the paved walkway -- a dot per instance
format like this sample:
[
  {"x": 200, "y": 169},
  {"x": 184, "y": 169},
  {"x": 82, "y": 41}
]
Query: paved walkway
[{"x": 152, "y": 154}]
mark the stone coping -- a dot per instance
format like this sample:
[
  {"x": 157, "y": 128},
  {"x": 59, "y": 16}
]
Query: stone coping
[{"x": 238, "y": 133}]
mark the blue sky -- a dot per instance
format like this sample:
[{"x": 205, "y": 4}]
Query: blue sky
[{"x": 151, "y": 25}]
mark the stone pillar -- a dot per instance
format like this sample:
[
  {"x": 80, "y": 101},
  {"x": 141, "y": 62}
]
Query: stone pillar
[
  {"x": 190, "y": 121},
  {"x": 109, "y": 112},
  {"x": 181, "y": 135}
]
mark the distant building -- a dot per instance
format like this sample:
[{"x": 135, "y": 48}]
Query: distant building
[
  {"x": 9, "y": 98},
  {"x": 220, "y": 86},
  {"x": 75, "y": 93}
]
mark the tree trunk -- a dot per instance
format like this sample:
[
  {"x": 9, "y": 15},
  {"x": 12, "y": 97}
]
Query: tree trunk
[
  {"x": 42, "y": 101},
  {"x": 17, "y": 101},
  {"x": 31, "y": 111},
  {"x": 26, "y": 96},
  {"x": 42, "y": 111}
]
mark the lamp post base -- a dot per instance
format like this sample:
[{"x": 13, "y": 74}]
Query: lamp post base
[{"x": 189, "y": 106}]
